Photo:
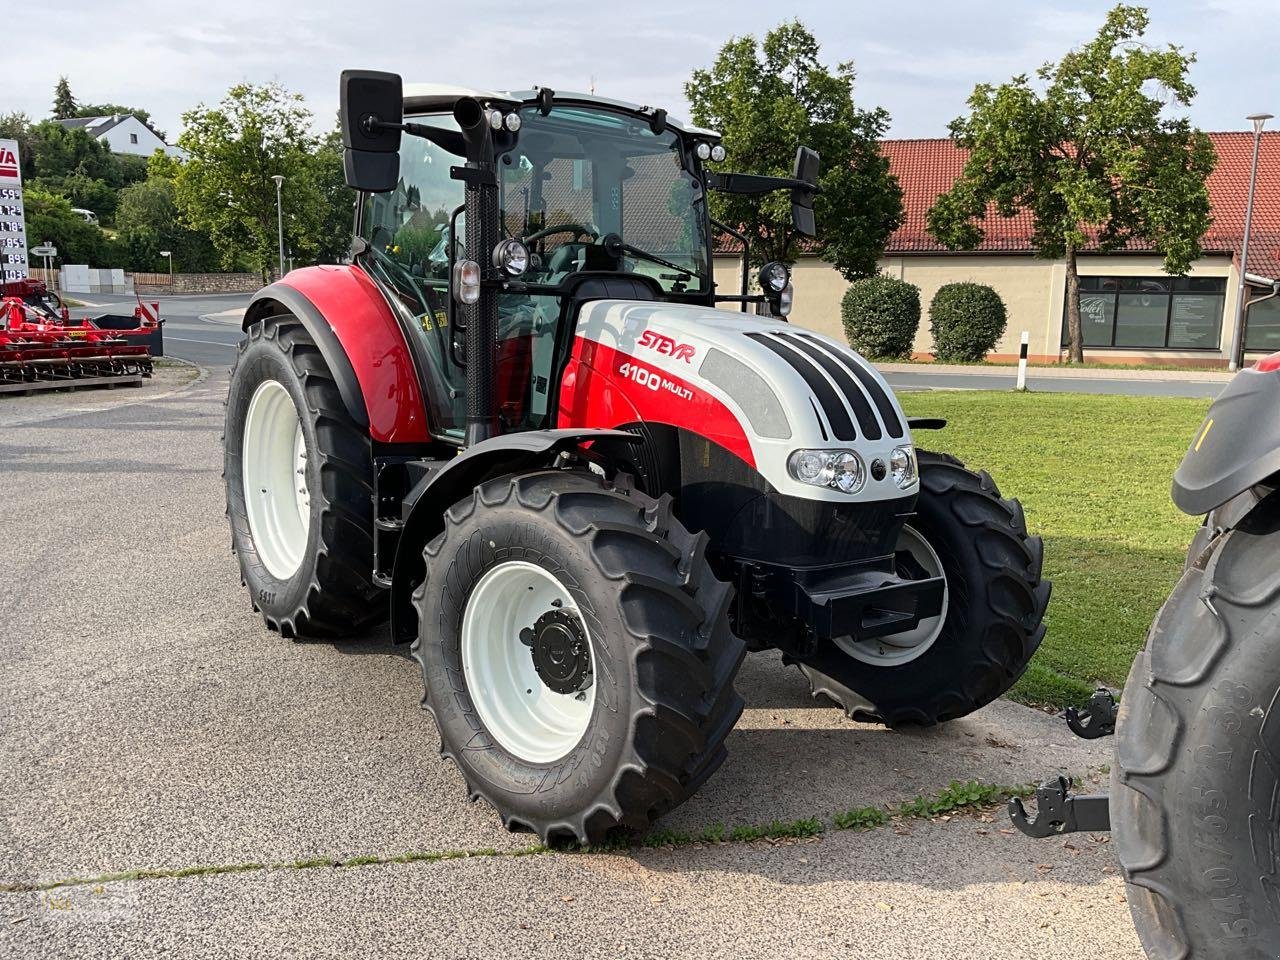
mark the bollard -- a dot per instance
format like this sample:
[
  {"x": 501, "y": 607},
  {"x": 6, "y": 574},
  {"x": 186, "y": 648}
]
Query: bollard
[{"x": 1022, "y": 361}]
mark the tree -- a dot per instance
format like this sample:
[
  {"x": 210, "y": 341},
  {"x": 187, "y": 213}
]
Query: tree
[
  {"x": 224, "y": 187},
  {"x": 147, "y": 222},
  {"x": 768, "y": 98},
  {"x": 1093, "y": 156},
  {"x": 50, "y": 220},
  {"x": 64, "y": 104},
  {"x": 17, "y": 126}
]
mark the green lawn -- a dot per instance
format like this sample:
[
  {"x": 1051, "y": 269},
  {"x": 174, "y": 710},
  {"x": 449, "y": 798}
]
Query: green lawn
[{"x": 1093, "y": 473}]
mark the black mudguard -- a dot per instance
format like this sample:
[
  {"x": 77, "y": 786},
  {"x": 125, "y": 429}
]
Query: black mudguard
[
  {"x": 1237, "y": 446},
  {"x": 423, "y": 508}
]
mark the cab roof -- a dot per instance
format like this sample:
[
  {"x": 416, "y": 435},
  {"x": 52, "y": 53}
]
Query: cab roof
[{"x": 436, "y": 97}]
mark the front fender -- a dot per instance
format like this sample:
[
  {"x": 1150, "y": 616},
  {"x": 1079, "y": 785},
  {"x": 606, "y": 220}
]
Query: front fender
[
  {"x": 361, "y": 342},
  {"x": 425, "y": 505},
  {"x": 1237, "y": 446}
]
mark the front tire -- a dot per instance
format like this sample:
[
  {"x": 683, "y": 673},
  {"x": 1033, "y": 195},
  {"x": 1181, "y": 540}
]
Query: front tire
[
  {"x": 299, "y": 480},
  {"x": 991, "y": 625},
  {"x": 576, "y": 654},
  {"x": 1194, "y": 805}
]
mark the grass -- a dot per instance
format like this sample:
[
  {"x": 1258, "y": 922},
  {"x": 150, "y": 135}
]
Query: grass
[
  {"x": 1093, "y": 473},
  {"x": 972, "y": 796}
]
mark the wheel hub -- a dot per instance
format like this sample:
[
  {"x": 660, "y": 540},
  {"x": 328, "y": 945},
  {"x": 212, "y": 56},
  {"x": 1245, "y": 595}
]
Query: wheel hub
[{"x": 560, "y": 650}]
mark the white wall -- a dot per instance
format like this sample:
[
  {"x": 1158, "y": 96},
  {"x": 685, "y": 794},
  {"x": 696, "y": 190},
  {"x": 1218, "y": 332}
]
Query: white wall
[{"x": 119, "y": 139}]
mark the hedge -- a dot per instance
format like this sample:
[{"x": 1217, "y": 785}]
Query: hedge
[
  {"x": 968, "y": 320},
  {"x": 880, "y": 316}
]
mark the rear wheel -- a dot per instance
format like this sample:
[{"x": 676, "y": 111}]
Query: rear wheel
[
  {"x": 576, "y": 653},
  {"x": 299, "y": 476},
  {"x": 1195, "y": 785},
  {"x": 991, "y": 620}
]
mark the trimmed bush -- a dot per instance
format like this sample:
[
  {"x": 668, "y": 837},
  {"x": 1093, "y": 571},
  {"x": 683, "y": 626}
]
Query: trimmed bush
[
  {"x": 968, "y": 320},
  {"x": 880, "y": 316}
]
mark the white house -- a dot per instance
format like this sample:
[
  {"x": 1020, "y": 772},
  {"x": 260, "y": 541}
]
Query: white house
[{"x": 122, "y": 133}]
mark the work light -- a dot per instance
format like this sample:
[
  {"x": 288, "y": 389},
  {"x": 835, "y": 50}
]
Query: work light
[
  {"x": 703, "y": 150},
  {"x": 513, "y": 122},
  {"x": 717, "y": 152},
  {"x": 774, "y": 277},
  {"x": 511, "y": 257},
  {"x": 495, "y": 119}
]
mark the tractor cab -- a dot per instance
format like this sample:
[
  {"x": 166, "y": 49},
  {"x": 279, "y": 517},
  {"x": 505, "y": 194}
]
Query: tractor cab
[{"x": 584, "y": 198}]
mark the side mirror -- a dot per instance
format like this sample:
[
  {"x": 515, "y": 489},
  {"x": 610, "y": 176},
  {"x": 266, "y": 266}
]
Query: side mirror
[
  {"x": 806, "y": 170},
  {"x": 371, "y": 110}
]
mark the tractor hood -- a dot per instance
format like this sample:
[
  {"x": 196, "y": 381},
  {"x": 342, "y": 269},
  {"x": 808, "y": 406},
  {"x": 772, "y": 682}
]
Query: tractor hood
[{"x": 786, "y": 387}]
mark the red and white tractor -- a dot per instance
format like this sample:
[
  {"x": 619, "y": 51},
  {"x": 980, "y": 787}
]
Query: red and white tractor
[{"x": 524, "y": 425}]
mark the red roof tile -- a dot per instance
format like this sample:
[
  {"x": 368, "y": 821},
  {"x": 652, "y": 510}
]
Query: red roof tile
[{"x": 928, "y": 168}]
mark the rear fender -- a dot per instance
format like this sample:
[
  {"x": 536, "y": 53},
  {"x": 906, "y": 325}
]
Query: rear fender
[
  {"x": 1236, "y": 448},
  {"x": 425, "y": 505},
  {"x": 361, "y": 342}
]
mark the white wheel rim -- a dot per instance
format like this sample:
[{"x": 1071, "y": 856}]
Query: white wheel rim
[
  {"x": 529, "y": 719},
  {"x": 277, "y": 498},
  {"x": 900, "y": 648}
]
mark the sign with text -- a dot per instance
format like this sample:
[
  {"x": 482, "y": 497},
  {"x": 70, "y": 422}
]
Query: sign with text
[{"x": 13, "y": 221}]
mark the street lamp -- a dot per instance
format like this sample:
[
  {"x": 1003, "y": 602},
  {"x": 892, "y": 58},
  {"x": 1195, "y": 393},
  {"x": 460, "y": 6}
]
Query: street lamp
[
  {"x": 279, "y": 220},
  {"x": 1237, "y": 338},
  {"x": 168, "y": 255}
]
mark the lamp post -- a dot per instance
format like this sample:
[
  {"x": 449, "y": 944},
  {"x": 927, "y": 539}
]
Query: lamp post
[
  {"x": 168, "y": 255},
  {"x": 1237, "y": 337},
  {"x": 279, "y": 220}
]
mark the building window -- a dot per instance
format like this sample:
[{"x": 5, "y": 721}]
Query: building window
[
  {"x": 133, "y": 138},
  {"x": 1263, "y": 326},
  {"x": 1151, "y": 313}
]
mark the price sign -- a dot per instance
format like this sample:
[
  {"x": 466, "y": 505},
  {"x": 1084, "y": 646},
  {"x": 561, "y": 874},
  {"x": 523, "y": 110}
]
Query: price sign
[{"x": 13, "y": 227}]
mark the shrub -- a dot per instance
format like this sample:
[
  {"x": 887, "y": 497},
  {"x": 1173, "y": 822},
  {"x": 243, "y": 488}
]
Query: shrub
[
  {"x": 880, "y": 316},
  {"x": 968, "y": 320}
]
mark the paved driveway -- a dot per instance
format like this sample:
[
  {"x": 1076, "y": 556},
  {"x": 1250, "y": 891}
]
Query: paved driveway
[{"x": 149, "y": 722}]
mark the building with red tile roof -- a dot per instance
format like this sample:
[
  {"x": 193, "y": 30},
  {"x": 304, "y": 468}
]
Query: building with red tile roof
[{"x": 1132, "y": 310}]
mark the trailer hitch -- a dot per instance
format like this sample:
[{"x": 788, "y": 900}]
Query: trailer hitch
[
  {"x": 1097, "y": 719},
  {"x": 1060, "y": 813}
]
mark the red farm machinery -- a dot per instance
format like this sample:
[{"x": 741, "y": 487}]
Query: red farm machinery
[{"x": 42, "y": 348}]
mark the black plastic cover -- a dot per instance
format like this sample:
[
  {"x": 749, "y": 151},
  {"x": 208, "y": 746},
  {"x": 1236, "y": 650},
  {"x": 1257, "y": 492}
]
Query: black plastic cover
[{"x": 1237, "y": 446}]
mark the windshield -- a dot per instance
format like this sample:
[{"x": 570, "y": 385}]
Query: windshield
[{"x": 578, "y": 175}]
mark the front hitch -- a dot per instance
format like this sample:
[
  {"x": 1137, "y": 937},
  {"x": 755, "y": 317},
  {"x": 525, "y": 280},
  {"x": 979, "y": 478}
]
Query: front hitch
[{"x": 1059, "y": 813}]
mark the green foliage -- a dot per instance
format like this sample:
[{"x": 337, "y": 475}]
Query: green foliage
[
  {"x": 50, "y": 220},
  {"x": 225, "y": 188},
  {"x": 17, "y": 126},
  {"x": 1090, "y": 152},
  {"x": 968, "y": 320},
  {"x": 777, "y": 830},
  {"x": 770, "y": 97},
  {"x": 64, "y": 104},
  {"x": 880, "y": 316},
  {"x": 861, "y": 818},
  {"x": 960, "y": 796},
  {"x": 147, "y": 222}
]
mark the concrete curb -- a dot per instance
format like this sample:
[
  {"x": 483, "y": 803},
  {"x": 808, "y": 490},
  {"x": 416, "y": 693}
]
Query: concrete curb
[{"x": 1056, "y": 373}]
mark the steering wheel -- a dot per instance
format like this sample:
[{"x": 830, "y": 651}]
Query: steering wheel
[{"x": 577, "y": 229}]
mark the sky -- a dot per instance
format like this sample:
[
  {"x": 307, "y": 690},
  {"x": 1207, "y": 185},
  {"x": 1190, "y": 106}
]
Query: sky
[{"x": 918, "y": 60}]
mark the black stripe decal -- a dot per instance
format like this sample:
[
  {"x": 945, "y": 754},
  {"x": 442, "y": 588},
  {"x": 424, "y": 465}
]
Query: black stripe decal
[
  {"x": 832, "y": 406},
  {"x": 878, "y": 396},
  {"x": 840, "y": 374}
]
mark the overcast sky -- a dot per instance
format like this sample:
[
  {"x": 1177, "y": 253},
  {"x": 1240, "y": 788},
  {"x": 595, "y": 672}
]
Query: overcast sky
[{"x": 918, "y": 60}]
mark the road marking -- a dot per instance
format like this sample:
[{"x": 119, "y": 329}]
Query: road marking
[{"x": 216, "y": 343}]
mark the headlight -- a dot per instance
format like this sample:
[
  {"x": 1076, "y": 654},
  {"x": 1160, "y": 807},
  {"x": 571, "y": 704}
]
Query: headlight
[
  {"x": 511, "y": 257},
  {"x": 717, "y": 152},
  {"x": 839, "y": 469},
  {"x": 774, "y": 277},
  {"x": 703, "y": 150},
  {"x": 466, "y": 281},
  {"x": 902, "y": 464},
  {"x": 785, "y": 299}
]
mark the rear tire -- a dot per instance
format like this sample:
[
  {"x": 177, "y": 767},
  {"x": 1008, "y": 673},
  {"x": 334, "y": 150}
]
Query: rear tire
[
  {"x": 993, "y": 622},
  {"x": 642, "y": 724},
  {"x": 1194, "y": 804},
  {"x": 309, "y": 567}
]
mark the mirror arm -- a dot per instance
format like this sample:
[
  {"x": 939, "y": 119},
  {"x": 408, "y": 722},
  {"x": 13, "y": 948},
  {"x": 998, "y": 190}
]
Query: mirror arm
[
  {"x": 450, "y": 141},
  {"x": 755, "y": 183}
]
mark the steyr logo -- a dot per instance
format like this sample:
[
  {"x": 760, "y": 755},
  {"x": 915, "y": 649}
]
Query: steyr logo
[
  {"x": 8, "y": 163},
  {"x": 666, "y": 346}
]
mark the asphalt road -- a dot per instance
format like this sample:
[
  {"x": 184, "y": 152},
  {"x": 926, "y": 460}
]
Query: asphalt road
[
  {"x": 149, "y": 721},
  {"x": 1135, "y": 386},
  {"x": 186, "y": 335}
]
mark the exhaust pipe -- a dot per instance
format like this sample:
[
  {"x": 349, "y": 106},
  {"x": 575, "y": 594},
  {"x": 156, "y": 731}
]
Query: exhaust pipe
[{"x": 481, "y": 318}]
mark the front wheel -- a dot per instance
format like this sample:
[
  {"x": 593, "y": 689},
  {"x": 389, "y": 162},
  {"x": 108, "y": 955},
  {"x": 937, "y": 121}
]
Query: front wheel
[
  {"x": 990, "y": 624},
  {"x": 576, "y": 653},
  {"x": 1195, "y": 798}
]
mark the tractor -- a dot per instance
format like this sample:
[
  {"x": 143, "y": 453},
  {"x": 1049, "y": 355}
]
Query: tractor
[{"x": 524, "y": 427}]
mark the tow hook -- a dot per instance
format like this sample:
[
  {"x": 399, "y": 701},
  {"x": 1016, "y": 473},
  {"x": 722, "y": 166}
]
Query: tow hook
[
  {"x": 1097, "y": 719},
  {"x": 1061, "y": 813}
]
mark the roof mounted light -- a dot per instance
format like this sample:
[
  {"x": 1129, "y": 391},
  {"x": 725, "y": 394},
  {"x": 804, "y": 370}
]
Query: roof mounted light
[
  {"x": 717, "y": 152},
  {"x": 512, "y": 122},
  {"x": 495, "y": 119},
  {"x": 703, "y": 150}
]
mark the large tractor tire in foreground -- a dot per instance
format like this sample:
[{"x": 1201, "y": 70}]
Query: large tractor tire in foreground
[
  {"x": 576, "y": 652},
  {"x": 991, "y": 622},
  {"x": 299, "y": 476},
  {"x": 1195, "y": 799}
]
